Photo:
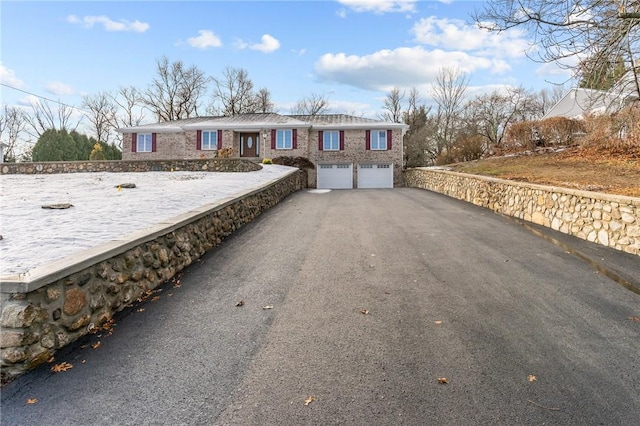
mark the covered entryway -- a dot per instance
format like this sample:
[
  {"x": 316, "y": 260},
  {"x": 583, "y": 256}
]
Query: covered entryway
[
  {"x": 249, "y": 144},
  {"x": 375, "y": 175},
  {"x": 335, "y": 176}
]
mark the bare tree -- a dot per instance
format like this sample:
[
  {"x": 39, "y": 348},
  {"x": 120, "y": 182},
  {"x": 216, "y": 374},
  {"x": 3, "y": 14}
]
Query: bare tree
[
  {"x": 314, "y": 104},
  {"x": 43, "y": 117},
  {"x": 263, "y": 101},
  {"x": 413, "y": 102},
  {"x": 12, "y": 125},
  {"x": 130, "y": 109},
  {"x": 490, "y": 115},
  {"x": 175, "y": 92},
  {"x": 545, "y": 99},
  {"x": 393, "y": 106},
  {"x": 102, "y": 113},
  {"x": 594, "y": 32},
  {"x": 448, "y": 93},
  {"x": 233, "y": 93}
]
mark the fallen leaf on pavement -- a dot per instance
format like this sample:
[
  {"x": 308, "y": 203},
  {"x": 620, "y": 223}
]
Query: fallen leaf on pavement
[
  {"x": 240, "y": 303},
  {"x": 140, "y": 310},
  {"x": 155, "y": 298},
  {"x": 267, "y": 307},
  {"x": 50, "y": 360},
  {"x": 532, "y": 378},
  {"x": 443, "y": 380},
  {"x": 437, "y": 322},
  {"x": 63, "y": 366},
  {"x": 309, "y": 400},
  {"x": 96, "y": 345},
  {"x": 634, "y": 318},
  {"x": 32, "y": 400},
  {"x": 364, "y": 311}
]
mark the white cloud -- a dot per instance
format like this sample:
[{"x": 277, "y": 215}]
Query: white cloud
[
  {"x": 8, "y": 77},
  {"x": 342, "y": 12},
  {"x": 403, "y": 67},
  {"x": 59, "y": 88},
  {"x": 204, "y": 40},
  {"x": 456, "y": 34},
  {"x": 269, "y": 44},
  {"x": 380, "y": 6},
  {"x": 109, "y": 24}
]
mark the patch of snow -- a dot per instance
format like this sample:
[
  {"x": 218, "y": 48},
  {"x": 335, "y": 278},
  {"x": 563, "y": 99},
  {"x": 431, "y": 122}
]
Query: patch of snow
[
  {"x": 318, "y": 191},
  {"x": 32, "y": 236}
]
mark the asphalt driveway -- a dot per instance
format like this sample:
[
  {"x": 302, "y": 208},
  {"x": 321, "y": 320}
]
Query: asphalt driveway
[{"x": 375, "y": 307}]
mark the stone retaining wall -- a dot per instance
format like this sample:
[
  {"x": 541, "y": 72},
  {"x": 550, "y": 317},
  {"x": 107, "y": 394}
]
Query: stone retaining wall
[
  {"x": 51, "y": 306},
  {"x": 210, "y": 165},
  {"x": 609, "y": 220}
]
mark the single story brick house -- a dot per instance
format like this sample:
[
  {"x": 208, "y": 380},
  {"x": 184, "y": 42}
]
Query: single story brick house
[{"x": 348, "y": 151}]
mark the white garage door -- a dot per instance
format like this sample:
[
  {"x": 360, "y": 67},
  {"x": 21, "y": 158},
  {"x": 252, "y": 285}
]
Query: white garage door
[
  {"x": 335, "y": 176},
  {"x": 375, "y": 175}
]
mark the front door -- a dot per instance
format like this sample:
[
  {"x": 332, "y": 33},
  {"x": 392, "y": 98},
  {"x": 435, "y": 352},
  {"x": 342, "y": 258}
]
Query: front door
[{"x": 249, "y": 144}]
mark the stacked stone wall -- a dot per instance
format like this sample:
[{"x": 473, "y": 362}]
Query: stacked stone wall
[
  {"x": 40, "y": 317},
  {"x": 609, "y": 220},
  {"x": 193, "y": 165}
]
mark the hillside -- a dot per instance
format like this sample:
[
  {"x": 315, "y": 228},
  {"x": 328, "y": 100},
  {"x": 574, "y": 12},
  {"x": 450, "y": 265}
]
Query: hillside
[{"x": 600, "y": 170}]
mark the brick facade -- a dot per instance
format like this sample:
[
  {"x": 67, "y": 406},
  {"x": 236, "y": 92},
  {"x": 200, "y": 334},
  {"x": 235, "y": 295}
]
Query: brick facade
[{"x": 176, "y": 142}]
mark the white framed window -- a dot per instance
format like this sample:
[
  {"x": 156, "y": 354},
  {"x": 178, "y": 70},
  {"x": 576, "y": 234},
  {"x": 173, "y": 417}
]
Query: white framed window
[
  {"x": 144, "y": 142},
  {"x": 378, "y": 140},
  {"x": 209, "y": 140},
  {"x": 331, "y": 140},
  {"x": 284, "y": 139}
]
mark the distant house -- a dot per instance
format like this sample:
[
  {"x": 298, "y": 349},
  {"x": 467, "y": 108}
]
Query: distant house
[
  {"x": 578, "y": 102},
  {"x": 347, "y": 151}
]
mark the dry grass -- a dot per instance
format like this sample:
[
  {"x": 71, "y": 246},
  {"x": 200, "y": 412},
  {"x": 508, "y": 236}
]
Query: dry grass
[{"x": 593, "y": 169}]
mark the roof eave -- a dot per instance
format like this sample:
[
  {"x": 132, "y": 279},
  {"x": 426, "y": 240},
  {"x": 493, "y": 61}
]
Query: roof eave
[
  {"x": 243, "y": 126},
  {"x": 150, "y": 129}
]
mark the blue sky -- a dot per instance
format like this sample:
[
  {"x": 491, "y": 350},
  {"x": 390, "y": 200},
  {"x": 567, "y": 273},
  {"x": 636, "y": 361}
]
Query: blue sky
[{"x": 351, "y": 51}]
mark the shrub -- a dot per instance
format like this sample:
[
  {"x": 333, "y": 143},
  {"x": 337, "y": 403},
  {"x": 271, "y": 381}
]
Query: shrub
[
  {"x": 522, "y": 135},
  {"x": 560, "y": 131},
  {"x": 267, "y": 161},
  {"x": 96, "y": 153},
  {"x": 225, "y": 153},
  {"x": 619, "y": 132}
]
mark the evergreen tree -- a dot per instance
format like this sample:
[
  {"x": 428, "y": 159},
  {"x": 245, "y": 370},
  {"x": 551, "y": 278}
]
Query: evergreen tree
[{"x": 59, "y": 145}]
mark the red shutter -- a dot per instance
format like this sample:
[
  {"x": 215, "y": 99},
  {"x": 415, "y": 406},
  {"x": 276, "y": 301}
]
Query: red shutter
[
  {"x": 219, "y": 139},
  {"x": 368, "y": 139},
  {"x": 198, "y": 140},
  {"x": 294, "y": 137},
  {"x": 320, "y": 140},
  {"x": 389, "y": 139},
  {"x": 134, "y": 142},
  {"x": 273, "y": 138},
  {"x": 153, "y": 142},
  {"x": 341, "y": 140}
]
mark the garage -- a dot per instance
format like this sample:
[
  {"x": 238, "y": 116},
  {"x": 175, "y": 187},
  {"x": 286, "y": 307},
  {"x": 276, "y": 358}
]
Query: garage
[
  {"x": 375, "y": 175},
  {"x": 335, "y": 176}
]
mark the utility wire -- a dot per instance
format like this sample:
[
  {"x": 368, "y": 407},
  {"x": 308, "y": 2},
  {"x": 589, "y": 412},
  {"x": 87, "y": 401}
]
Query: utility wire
[{"x": 42, "y": 97}]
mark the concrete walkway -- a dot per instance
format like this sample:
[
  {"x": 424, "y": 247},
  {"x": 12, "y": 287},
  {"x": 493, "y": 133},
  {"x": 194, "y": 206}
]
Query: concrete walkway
[{"x": 371, "y": 297}]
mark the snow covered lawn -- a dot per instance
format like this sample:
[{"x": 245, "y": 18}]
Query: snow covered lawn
[{"x": 32, "y": 236}]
